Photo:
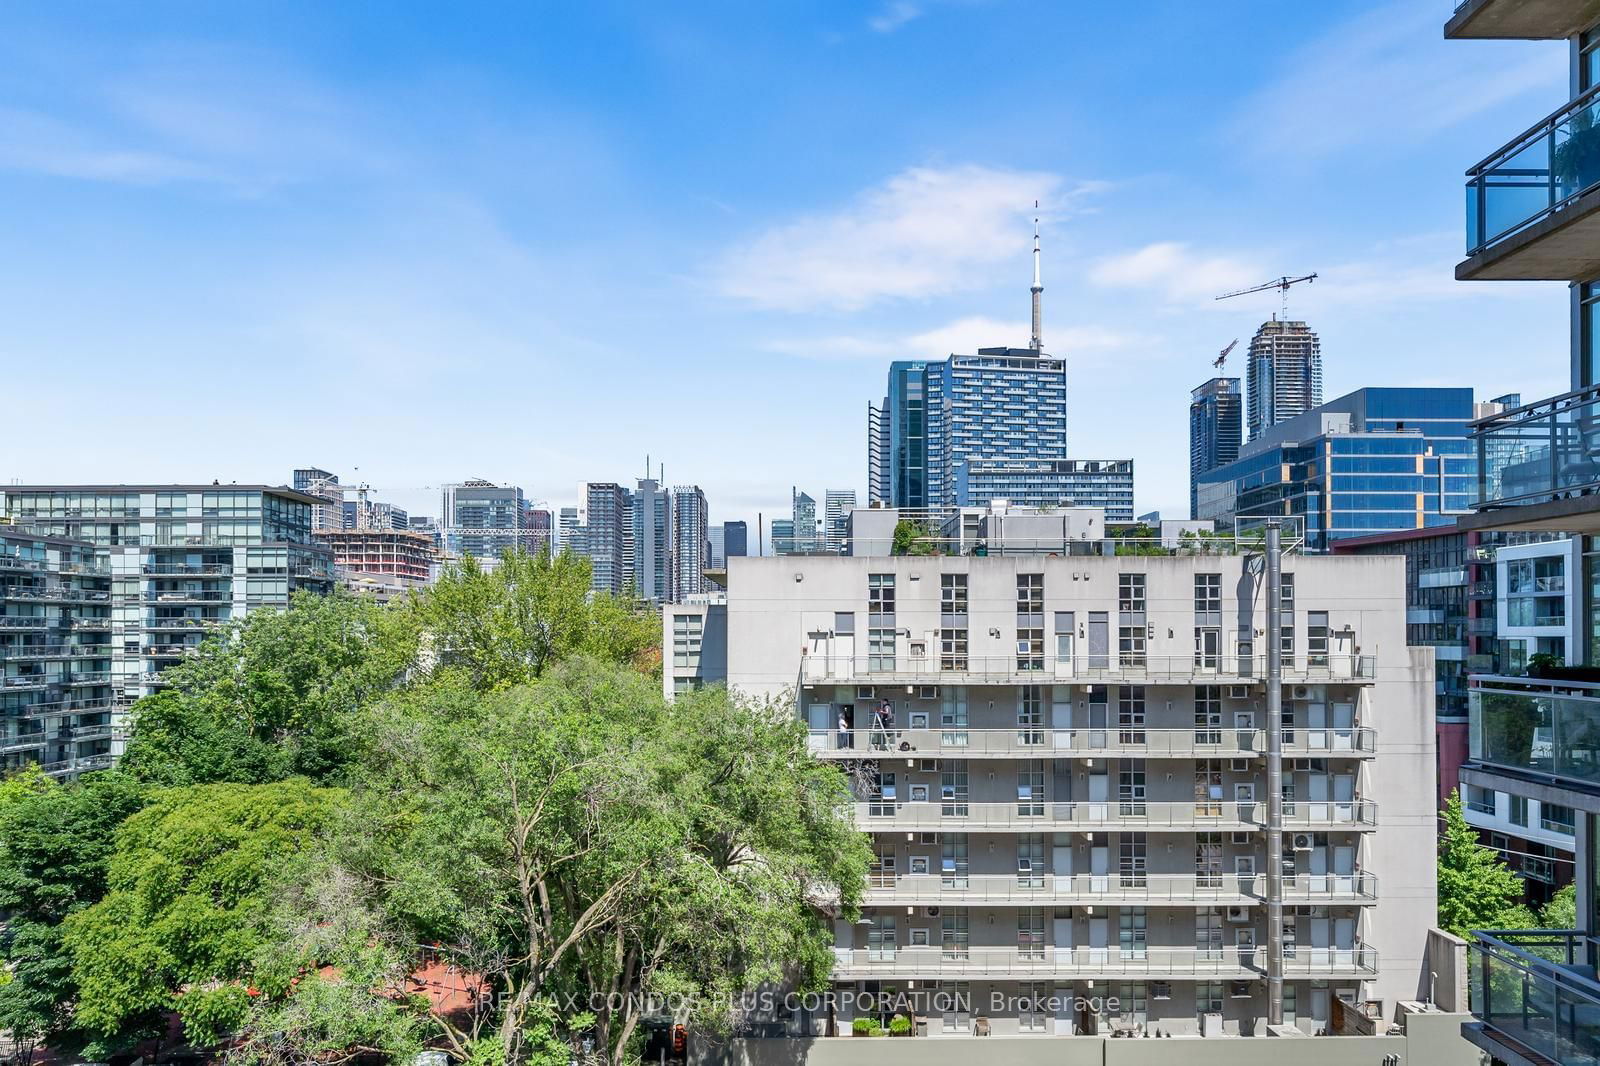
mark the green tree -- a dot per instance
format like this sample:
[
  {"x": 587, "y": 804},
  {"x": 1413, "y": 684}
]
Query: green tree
[
  {"x": 507, "y": 625},
  {"x": 274, "y": 696},
  {"x": 1562, "y": 910},
  {"x": 578, "y": 837},
  {"x": 190, "y": 885},
  {"x": 55, "y": 842},
  {"x": 1476, "y": 889},
  {"x": 914, "y": 538}
]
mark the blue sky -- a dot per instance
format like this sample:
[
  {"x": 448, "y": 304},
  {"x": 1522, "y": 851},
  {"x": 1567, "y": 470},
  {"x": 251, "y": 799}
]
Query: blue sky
[{"x": 535, "y": 243}]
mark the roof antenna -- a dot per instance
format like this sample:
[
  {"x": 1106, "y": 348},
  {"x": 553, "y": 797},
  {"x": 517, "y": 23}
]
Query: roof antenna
[{"x": 1037, "y": 344}]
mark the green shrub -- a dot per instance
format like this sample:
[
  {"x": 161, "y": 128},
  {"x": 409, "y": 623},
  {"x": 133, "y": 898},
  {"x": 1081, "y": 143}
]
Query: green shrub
[{"x": 900, "y": 1025}]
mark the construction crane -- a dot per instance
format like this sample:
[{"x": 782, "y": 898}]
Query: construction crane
[
  {"x": 1223, "y": 358},
  {"x": 1281, "y": 284}
]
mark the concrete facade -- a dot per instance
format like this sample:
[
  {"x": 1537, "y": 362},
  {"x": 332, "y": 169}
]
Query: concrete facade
[{"x": 1070, "y": 796}]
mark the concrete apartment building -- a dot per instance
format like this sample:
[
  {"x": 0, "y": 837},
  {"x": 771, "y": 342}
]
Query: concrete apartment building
[
  {"x": 1284, "y": 375},
  {"x": 56, "y": 697},
  {"x": 1069, "y": 795}
]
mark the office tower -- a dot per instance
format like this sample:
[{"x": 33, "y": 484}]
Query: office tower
[
  {"x": 567, "y": 526},
  {"x": 1372, "y": 461},
  {"x": 56, "y": 696},
  {"x": 329, "y": 511},
  {"x": 1533, "y": 214},
  {"x": 1284, "y": 375},
  {"x": 1050, "y": 483},
  {"x": 425, "y": 525},
  {"x": 1061, "y": 763},
  {"x": 897, "y": 439},
  {"x": 651, "y": 574},
  {"x": 803, "y": 510},
  {"x": 716, "y": 538},
  {"x": 689, "y": 544},
  {"x": 183, "y": 559},
  {"x": 783, "y": 538},
  {"x": 484, "y": 520},
  {"x": 605, "y": 534},
  {"x": 1215, "y": 430},
  {"x": 735, "y": 539},
  {"x": 837, "y": 505}
]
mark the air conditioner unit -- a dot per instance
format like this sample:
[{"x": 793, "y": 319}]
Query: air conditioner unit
[
  {"x": 928, "y": 766},
  {"x": 1303, "y": 841},
  {"x": 933, "y": 912},
  {"x": 1239, "y": 765},
  {"x": 1238, "y": 692},
  {"x": 1238, "y": 914},
  {"x": 928, "y": 692},
  {"x": 1301, "y": 692},
  {"x": 1237, "y": 837},
  {"x": 864, "y": 692}
]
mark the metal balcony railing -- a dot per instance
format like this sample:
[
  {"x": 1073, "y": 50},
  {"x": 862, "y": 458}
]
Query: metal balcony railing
[
  {"x": 958, "y": 815},
  {"x": 1548, "y": 728},
  {"x": 1047, "y": 960},
  {"x": 1040, "y": 889},
  {"x": 1534, "y": 989},
  {"x": 1040, "y": 742},
  {"x": 1536, "y": 174},
  {"x": 1111, "y": 667},
  {"x": 1541, "y": 451}
]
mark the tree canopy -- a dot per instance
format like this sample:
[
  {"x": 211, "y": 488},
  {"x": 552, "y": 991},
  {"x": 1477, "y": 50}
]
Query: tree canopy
[{"x": 1476, "y": 888}]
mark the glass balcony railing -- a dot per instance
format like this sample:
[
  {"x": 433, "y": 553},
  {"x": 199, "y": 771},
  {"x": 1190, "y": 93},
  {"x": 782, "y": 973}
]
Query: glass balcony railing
[
  {"x": 1532, "y": 990},
  {"x": 1536, "y": 175},
  {"x": 1537, "y": 452},
  {"x": 1551, "y": 728}
]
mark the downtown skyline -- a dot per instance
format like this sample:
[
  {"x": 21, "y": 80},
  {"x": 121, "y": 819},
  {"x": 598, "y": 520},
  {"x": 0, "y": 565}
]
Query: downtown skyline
[{"x": 402, "y": 250}]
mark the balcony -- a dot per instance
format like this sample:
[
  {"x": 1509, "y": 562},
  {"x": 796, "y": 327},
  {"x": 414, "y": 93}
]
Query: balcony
[
  {"x": 1520, "y": 20},
  {"x": 1539, "y": 464},
  {"x": 1546, "y": 729},
  {"x": 1110, "y": 668},
  {"x": 1045, "y": 962},
  {"x": 1534, "y": 996},
  {"x": 1533, "y": 207},
  {"x": 1043, "y": 743},
  {"x": 1063, "y": 890},
  {"x": 889, "y": 815}
]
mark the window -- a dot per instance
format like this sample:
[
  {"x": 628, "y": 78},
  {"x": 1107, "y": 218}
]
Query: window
[
  {"x": 1557, "y": 819},
  {"x": 952, "y": 649},
  {"x": 1208, "y": 860},
  {"x": 1130, "y": 593},
  {"x": 880, "y": 599},
  {"x": 1208, "y": 599},
  {"x": 687, "y": 630},
  {"x": 1130, "y": 645},
  {"x": 1518, "y": 810},
  {"x": 1317, "y": 638},
  {"x": 1132, "y": 860},
  {"x": 954, "y": 1003},
  {"x": 1030, "y": 861},
  {"x": 1208, "y": 714},
  {"x": 953, "y": 788},
  {"x": 1208, "y": 997},
  {"x": 1290, "y": 1014},
  {"x": 954, "y": 934},
  {"x": 1030, "y": 594},
  {"x": 953, "y": 594},
  {"x": 1130, "y": 997},
  {"x": 1208, "y": 787},
  {"x": 1130, "y": 714},
  {"x": 1131, "y": 932},
  {"x": 1208, "y": 933},
  {"x": 880, "y": 649},
  {"x": 1030, "y": 715},
  {"x": 1030, "y": 933},
  {"x": 1131, "y": 788},
  {"x": 1030, "y": 790},
  {"x": 1030, "y": 621},
  {"x": 1480, "y": 799},
  {"x": 953, "y": 860},
  {"x": 881, "y": 938},
  {"x": 1030, "y": 648}
]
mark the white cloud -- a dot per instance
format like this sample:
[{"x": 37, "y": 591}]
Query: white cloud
[
  {"x": 1175, "y": 272},
  {"x": 1386, "y": 77},
  {"x": 43, "y": 145},
  {"x": 924, "y": 233},
  {"x": 893, "y": 16}
]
